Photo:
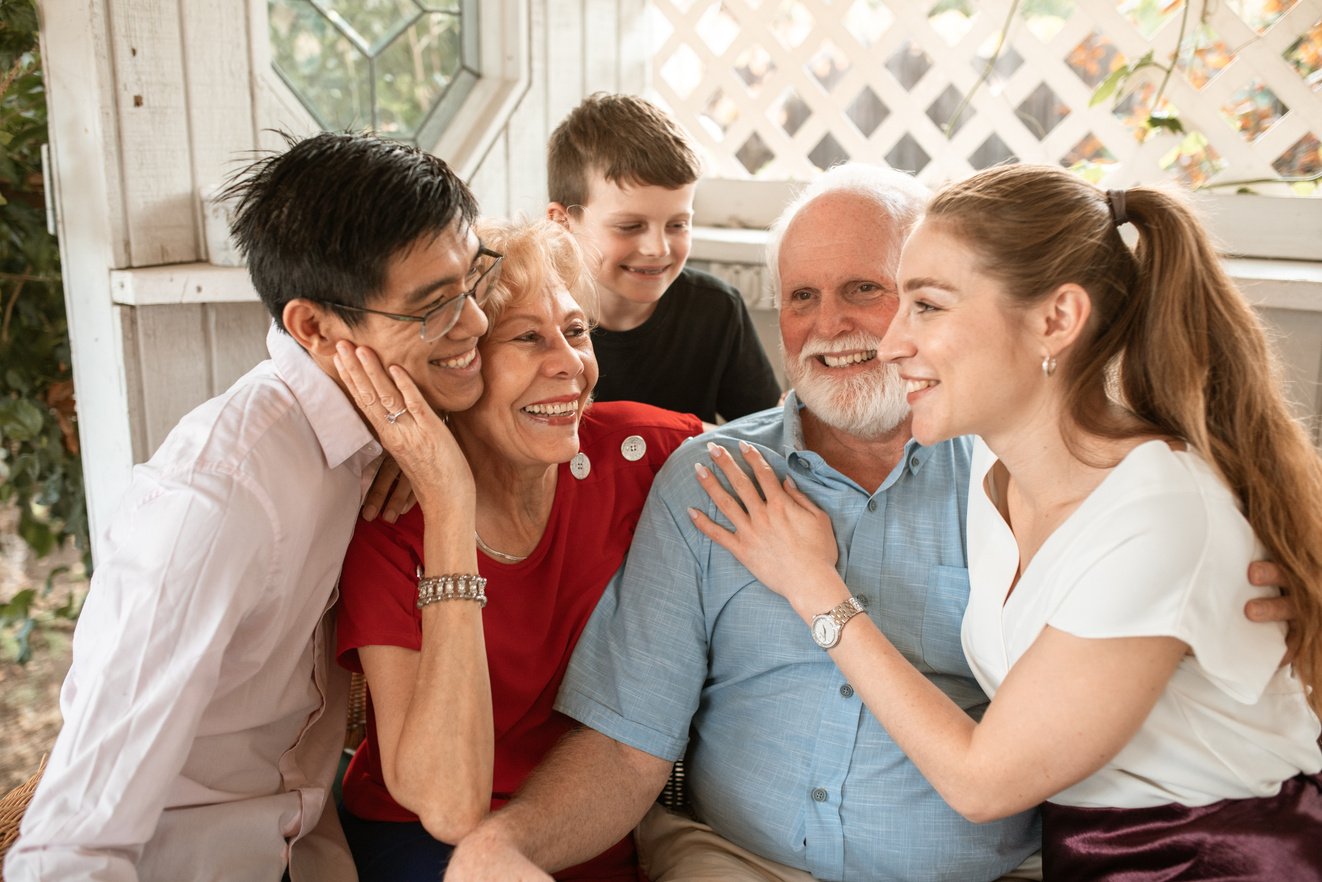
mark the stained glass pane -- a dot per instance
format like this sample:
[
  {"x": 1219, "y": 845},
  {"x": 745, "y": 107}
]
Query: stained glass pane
[
  {"x": 388, "y": 65},
  {"x": 373, "y": 22},
  {"x": 326, "y": 70},
  {"x": 414, "y": 71}
]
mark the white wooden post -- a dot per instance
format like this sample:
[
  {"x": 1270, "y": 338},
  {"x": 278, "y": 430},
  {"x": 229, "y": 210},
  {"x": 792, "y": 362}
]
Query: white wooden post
[{"x": 85, "y": 154}]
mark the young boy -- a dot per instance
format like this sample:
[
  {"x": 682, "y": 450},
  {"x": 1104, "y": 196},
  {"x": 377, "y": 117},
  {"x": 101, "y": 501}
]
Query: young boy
[{"x": 621, "y": 176}]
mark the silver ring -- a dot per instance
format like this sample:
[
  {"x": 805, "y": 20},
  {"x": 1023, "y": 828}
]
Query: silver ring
[{"x": 391, "y": 417}]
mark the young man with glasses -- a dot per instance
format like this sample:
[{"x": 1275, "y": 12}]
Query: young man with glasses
[{"x": 204, "y": 715}]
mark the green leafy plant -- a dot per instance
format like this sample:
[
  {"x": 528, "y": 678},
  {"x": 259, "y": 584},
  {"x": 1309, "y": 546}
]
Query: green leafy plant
[{"x": 40, "y": 469}]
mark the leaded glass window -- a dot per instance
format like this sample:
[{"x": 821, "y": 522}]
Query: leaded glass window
[{"x": 399, "y": 67}]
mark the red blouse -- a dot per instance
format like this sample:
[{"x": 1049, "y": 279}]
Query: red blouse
[{"x": 536, "y": 608}]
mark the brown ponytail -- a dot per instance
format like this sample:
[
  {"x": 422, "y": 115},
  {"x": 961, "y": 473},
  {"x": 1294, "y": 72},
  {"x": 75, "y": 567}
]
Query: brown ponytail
[{"x": 1172, "y": 338}]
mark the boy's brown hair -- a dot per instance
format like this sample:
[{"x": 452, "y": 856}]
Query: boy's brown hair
[{"x": 627, "y": 140}]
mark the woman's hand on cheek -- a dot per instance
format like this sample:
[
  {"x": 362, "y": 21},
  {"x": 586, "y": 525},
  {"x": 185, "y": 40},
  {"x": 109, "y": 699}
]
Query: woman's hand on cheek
[
  {"x": 783, "y": 539},
  {"x": 408, "y": 428}
]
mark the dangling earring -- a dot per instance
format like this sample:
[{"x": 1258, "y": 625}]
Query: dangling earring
[{"x": 1048, "y": 364}]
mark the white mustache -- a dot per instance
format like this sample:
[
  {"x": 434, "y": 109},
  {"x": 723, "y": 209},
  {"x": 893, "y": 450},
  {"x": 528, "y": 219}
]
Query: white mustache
[{"x": 814, "y": 347}]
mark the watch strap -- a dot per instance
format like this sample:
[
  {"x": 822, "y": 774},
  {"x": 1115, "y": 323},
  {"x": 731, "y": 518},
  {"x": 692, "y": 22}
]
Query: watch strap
[{"x": 845, "y": 610}]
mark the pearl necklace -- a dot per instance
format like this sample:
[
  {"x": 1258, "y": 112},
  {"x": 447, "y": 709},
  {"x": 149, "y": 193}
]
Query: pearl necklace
[{"x": 498, "y": 555}]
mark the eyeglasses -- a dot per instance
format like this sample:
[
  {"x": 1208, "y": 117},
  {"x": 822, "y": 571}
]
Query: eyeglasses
[{"x": 441, "y": 318}]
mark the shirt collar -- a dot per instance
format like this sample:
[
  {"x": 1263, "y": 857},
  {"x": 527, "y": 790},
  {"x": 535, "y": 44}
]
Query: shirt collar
[
  {"x": 338, "y": 425},
  {"x": 793, "y": 436},
  {"x": 794, "y": 448}
]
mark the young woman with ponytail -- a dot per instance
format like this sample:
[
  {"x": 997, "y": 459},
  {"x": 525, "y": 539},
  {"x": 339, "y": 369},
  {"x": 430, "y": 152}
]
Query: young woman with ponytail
[{"x": 1136, "y": 453}]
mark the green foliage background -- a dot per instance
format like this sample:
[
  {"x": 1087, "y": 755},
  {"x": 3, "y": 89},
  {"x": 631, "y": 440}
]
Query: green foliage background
[{"x": 40, "y": 469}]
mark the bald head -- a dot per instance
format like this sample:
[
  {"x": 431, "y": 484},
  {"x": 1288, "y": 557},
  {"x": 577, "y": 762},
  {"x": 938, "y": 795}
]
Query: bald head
[{"x": 883, "y": 196}]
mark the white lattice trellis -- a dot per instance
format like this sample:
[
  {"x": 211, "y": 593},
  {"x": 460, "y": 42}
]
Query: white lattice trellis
[{"x": 782, "y": 88}]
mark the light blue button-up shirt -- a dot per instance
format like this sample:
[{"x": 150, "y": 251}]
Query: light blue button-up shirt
[{"x": 688, "y": 655}]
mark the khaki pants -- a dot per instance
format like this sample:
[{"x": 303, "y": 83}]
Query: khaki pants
[{"x": 675, "y": 848}]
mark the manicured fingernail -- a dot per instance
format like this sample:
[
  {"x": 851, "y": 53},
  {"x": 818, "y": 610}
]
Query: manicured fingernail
[
  {"x": 390, "y": 516},
  {"x": 369, "y": 512},
  {"x": 745, "y": 447},
  {"x": 693, "y": 514},
  {"x": 701, "y": 470},
  {"x": 716, "y": 450},
  {"x": 789, "y": 482}
]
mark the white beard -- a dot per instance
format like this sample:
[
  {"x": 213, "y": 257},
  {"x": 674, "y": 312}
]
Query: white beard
[{"x": 867, "y": 405}]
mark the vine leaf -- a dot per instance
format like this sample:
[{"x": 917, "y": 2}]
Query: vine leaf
[
  {"x": 1166, "y": 120},
  {"x": 1108, "y": 86}
]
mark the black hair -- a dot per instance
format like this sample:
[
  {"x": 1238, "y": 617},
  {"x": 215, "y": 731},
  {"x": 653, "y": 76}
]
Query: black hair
[{"x": 323, "y": 219}]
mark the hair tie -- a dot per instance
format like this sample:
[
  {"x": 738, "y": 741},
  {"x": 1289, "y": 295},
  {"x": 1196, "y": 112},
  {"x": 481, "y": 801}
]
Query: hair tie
[{"x": 1115, "y": 199}]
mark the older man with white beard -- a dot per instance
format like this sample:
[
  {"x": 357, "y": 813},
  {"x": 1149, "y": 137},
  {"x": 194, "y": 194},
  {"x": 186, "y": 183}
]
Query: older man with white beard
[{"x": 687, "y": 655}]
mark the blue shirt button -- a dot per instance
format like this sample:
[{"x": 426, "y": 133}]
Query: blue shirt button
[
  {"x": 872, "y": 505},
  {"x": 819, "y": 794},
  {"x": 847, "y": 691},
  {"x": 913, "y": 462},
  {"x": 800, "y": 465}
]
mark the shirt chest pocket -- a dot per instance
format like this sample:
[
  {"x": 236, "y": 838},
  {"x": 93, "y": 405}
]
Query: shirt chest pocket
[{"x": 943, "y": 615}]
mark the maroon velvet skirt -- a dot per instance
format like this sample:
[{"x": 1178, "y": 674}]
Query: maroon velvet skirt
[{"x": 1276, "y": 838}]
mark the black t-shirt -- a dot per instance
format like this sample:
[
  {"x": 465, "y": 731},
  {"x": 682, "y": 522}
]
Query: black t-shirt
[{"x": 698, "y": 353}]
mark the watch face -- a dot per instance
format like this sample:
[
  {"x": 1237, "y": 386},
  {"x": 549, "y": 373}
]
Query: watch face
[{"x": 824, "y": 630}]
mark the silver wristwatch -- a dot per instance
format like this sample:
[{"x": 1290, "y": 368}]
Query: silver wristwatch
[{"x": 826, "y": 627}]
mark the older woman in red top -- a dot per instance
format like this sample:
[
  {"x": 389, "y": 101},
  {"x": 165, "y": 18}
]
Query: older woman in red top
[{"x": 460, "y": 697}]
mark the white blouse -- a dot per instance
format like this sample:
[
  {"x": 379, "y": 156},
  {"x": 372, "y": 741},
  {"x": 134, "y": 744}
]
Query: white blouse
[{"x": 1160, "y": 548}]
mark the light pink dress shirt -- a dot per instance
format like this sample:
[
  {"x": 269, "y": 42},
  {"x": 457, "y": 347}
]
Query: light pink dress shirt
[{"x": 204, "y": 715}]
